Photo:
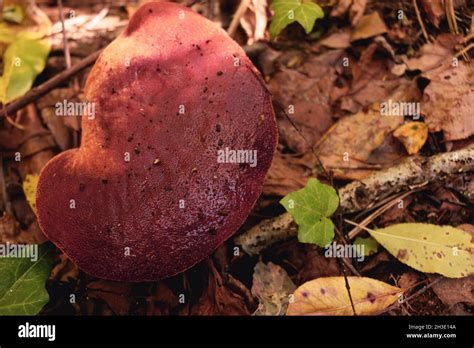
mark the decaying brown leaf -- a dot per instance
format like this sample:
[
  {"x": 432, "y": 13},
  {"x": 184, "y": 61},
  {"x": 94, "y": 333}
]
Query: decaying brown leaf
[
  {"x": 369, "y": 26},
  {"x": 218, "y": 299},
  {"x": 287, "y": 174},
  {"x": 413, "y": 136},
  {"x": 117, "y": 295},
  {"x": 303, "y": 94},
  {"x": 354, "y": 138},
  {"x": 272, "y": 286},
  {"x": 435, "y": 10},
  {"x": 448, "y": 101},
  {"x": 434, "y": 54}
]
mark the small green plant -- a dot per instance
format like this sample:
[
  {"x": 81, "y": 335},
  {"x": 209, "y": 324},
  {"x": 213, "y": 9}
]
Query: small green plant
[
  {"x": 305, "y": 12},
  {"x": 311, "y": 208}
]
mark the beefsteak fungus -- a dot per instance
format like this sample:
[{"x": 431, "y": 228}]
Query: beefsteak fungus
[{"x": 174, "y": 157}]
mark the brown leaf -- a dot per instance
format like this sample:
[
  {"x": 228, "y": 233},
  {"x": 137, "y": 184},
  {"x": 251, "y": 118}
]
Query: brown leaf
[
  {"x": 65, "y": 270},
  {"x": 413, "y": 136},
  {"x": 254, "y": 21},
  {"x": 161, "y": 301},
  {"x": 355, "y": 137},
  {"x": 117, "y": 295},
  {"x": 9, "y": 228},
  {"x": 435, "y": 10},
  {"x": 340, "y": 39},
  {"x": 454, "y": 291},
  {"x": 287, "y": 174},
  {"x": 303, "y": 93},
  {"x": 357, "y": 11},
  {"x": 434, "y": 54},
  {"x": 272, "y": 286},
  {"x": 448, "y": 101},
  {"x": 218, "y": 299},
  {"x": 341, "y": 8},
  {"x": 369, "y": 26}
]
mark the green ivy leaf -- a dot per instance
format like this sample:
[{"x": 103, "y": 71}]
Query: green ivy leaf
[
  {"x": 311, "y": 207},
  {"x": 305, "y": 12},
  {"x": 22, "y": 283},
  {"x": 370, "y": 245}
]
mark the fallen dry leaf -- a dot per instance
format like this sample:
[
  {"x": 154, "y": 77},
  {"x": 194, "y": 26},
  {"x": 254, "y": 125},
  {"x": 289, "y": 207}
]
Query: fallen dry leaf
[
  {"x": 454, "y": 291},
  {"x": 303, "y": 93},
  {"x": 287, "y": 174},
  {"x": 435, "y": 10},
  {"x": 65, "y": 270},
  {"x": 340, "y": 39},
  {"x": 341, "y": 8},
  {"x": 218, "y": 299},
  {"x": 272, "y": 286},
  {"x": 161, "y": 301},
  {"x": 329, "y": 296},
  {"x": 434, "y": 54},
  {"x": 254, "y": 21},
  {"x": 357, "y": 11},
  {"x": 117, "y": 295},
  {"x": 369, "y": 26},
  {"x": 413, "y": 136},
  {"x": 448, "y": 101},
  {"x": 353, "y": 138}
]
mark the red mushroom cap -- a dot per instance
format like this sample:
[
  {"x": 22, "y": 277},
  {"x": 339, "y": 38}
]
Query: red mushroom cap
[{"x": 158, "y": 182}]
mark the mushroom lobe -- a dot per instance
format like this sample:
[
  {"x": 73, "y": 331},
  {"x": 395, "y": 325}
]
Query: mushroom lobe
[{"x": 173, "y": 157}]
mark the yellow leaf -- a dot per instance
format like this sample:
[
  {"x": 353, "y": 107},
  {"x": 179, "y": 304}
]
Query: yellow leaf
[
  {"x": 412, "y": 135},
  {"x": 429, "y": 248},
  {"x": 329, "y": 296},
  {"x": 29, "y": 187}
]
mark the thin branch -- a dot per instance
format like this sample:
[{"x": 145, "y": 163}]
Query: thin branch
[
  {"x": 420, "y": 20},
  {"x": 414, "y": 172},
  {"x": 244, "y": 4}
]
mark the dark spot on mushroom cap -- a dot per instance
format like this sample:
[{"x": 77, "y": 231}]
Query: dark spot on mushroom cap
[
  {"x": 220, "y": 73},
  {"x": 82, "y": 187},
  {"x": 104, "y": 181}
]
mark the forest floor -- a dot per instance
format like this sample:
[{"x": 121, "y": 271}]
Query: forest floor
[{"x": 324, "y": 85}]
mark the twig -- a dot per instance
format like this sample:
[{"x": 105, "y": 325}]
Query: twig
[
  {"x": 358, "y": 195},
  {"x": 354, "y": 232},
  {"x": 8, "y": 207},
  {"x": 67, "y": 56},
  {"x": 420, "y": 20},
  {"x": 238, "y": 15},
  {"x": 37, "y": 92},
  {"x": 348, "y": 288},
  {"x": 418, "y": 293}
]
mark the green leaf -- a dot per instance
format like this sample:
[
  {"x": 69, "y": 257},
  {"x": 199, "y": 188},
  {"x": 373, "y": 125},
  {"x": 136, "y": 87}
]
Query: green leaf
[
  {"x": 305, "y": 12},
  {"x": 429, "y": 248},
  {"x": 311, "y": 207},
  {"x": 23, "y": 60},
  {"x": 369, "y": 245},
  {"x": 22, "y": 282}
]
